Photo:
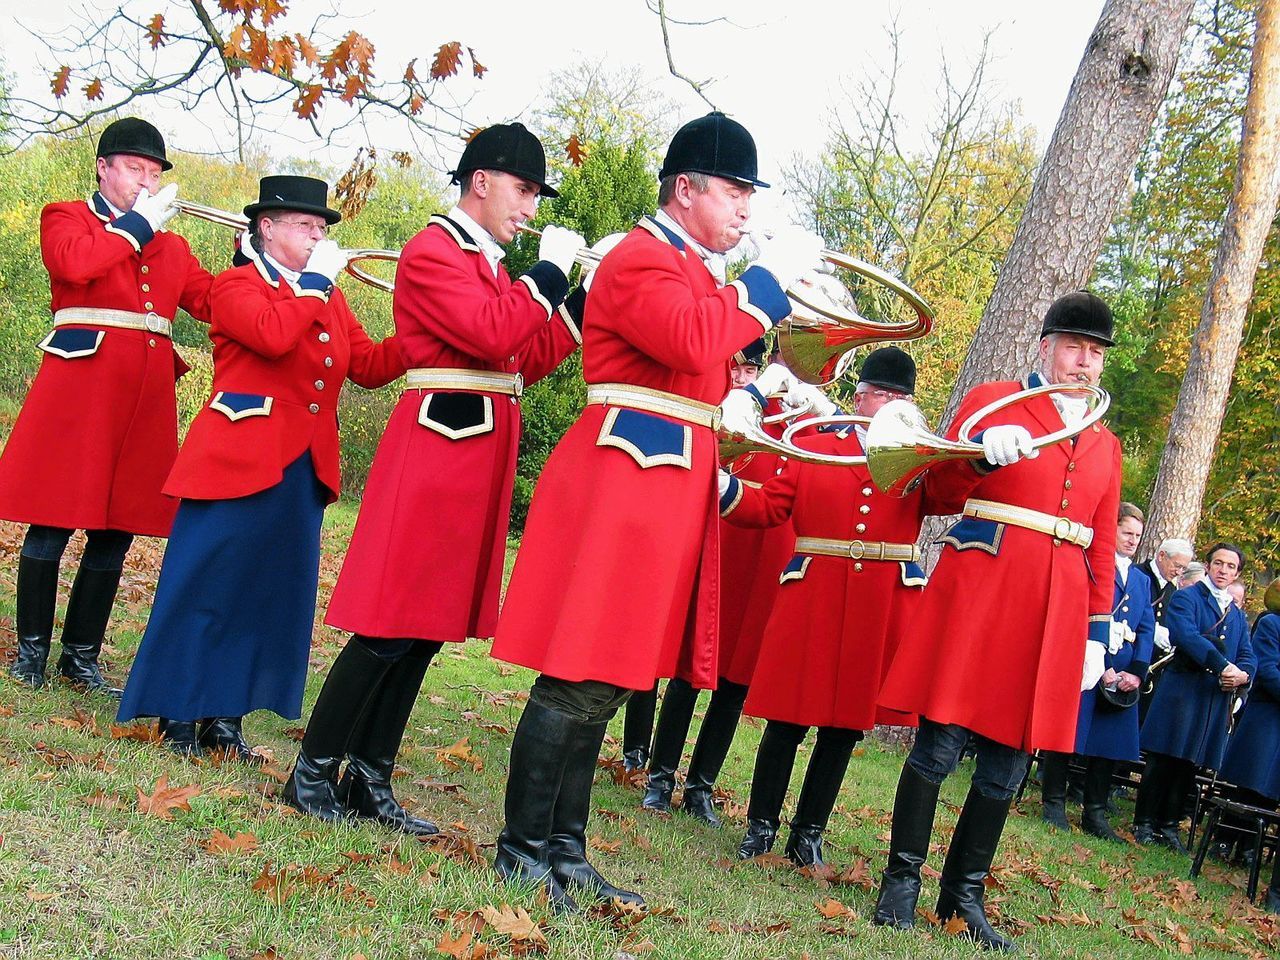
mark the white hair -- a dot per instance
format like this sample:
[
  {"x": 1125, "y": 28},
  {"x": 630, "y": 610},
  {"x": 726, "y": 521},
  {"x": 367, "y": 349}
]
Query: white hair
[{"x": 1177, "y": 547}]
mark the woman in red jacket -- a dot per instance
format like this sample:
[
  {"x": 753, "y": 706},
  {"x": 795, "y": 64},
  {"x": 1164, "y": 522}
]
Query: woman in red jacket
[{"x": 231, "y": 627}]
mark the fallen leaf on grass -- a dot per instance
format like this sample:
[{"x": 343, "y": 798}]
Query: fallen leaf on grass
[
  {"x": 267, "y": 954},
  {"x": 295, "y": 733},
  {"x": 458, "y": 754},
  {"x": 605, "y": 846},
  {"x": 141, "y": 731},
  {"x": 955, "y": 926},
  {"x": 514, "y": 922},
  {"x": 220, "y": 843},
  {"x": 103, "y": 801},
  {"x": 274, "y": 885},
  {"x": 165, "y": 799},
  {"x": 831, "y": 908},
  {"x": 39, "y": 896},
  {"x": 5, "y": 710},
  {"x": 83, "y": 721}
]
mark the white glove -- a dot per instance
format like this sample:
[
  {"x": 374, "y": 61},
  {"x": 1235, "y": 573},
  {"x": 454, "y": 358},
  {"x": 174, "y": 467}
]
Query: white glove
[
  {"x": 560, "y": 245},
  {"x": 1121, "y": 633},
  {"x": 1095, "y": 665},
  {"x": 722, "y": 483},
  {"x": 788, "y": 253},
  {"x": 739, "y": 412},
  {"x": 327, "y": 259},
  {"x": 805, "y": 396},
  {"x": 1007, "y": 444},
  {"x": 1162, "y": 638},
  {"x": 775, "y": 378},
  {"x": 159, "y": 209},
  {"x": 599, "y": 248}
]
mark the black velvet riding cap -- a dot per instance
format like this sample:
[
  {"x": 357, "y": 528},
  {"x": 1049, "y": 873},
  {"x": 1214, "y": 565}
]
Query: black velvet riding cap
[
  {"x": 135, "y": 137},
  {"x": 714, "y": 145},
  {"x": 508, "y": 147},
  {"x": 1080, "y": 312},
  {"x": 890, "y": 368}
]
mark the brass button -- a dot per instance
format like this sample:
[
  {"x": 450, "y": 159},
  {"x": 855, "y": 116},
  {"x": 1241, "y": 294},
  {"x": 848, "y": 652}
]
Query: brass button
[
  {"x": 1064, "y": 503},
  {"x": 324, "y": 336},
  {"x": 145, "y": 268},
  {"x": 1057, "y": 543},
  {"x": 328, "y": 361},
  {"x": 151, "y": 342},
  {"x": 1071, "y": 465},
  {"x": 861, "y": 528},
  {"x": 864, "y": 509},
  {"x": 1124, "y": 609},
  {"x": 149, "y": 305},
  {"x": 1067, "y": 485},
  {"x": 1096, "y": 428},
  {"x": 314, "y": 408},
  {"x": 320, "y": 386},
  {"x": 866, "y": 491},
  {"x": 857, "y": 567},
  {"x": 146, "y": 288}
]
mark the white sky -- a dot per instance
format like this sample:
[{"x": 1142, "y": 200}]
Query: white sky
[{"x": 779, "y": 71}]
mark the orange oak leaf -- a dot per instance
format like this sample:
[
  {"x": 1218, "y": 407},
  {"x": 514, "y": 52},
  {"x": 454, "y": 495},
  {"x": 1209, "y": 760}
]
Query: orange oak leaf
[
  {"x": 60, "y": 80},
  {"x": 165, "y": 799},
  {"x": 155, "y": 31},
  {"x": 457, "y": 947},
  {"x": 955, "y": 925},
  {"x": 103, "y": 801},
  {"x": 460, "y": 753},
  {"x": 478, "y": 69},
  {"x": 831, "y": 908},
  {"x": 515, "y": 923},
  {"x": 447, "y": 59},
  {"x": 307, "y": 49},
  {"x": 93, "y": 89},
  {"x": 410, "y": 74},
  {"x": 575, "y": 151},
  {"x": 308, "y": 101},
  {"x": 221, "y": 843},
  {"x": 273, "y": 884}
]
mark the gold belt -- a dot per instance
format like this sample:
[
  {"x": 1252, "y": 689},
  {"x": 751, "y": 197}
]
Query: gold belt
[
  {"x": 655, "y": 401},
  {"x": 459, "y": 378},
  {"x": 859, "y": 549},
  {"x": 1060, "y": 528},
  {"x": 125, "y": 319}
]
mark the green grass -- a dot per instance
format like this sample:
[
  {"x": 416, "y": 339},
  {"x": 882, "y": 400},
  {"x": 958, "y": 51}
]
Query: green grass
[{"x": 80, "y": 880}]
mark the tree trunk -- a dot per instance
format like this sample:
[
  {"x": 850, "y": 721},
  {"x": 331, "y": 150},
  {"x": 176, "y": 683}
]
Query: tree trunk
[
  {"x": 1174, "y": 510},
  {"x": 1118, "y": 88}
]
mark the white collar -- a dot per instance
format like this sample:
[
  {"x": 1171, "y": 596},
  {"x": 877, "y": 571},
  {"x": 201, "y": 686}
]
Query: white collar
[
  {"x": 715, "y": 262},
  {"x": 1223, "y": 598},
  {"x": 489, "y": 247},
  {"x": 290, "y": 275},
  {"x": 1155, "y": 569},
  {"x": 1122, "y": 567}
]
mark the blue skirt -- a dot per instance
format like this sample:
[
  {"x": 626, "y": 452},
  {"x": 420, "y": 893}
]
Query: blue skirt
[{"x": 230, "y": 631}]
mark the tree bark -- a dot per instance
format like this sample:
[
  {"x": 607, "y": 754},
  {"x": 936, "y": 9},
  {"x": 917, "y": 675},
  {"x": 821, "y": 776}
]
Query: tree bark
[
  {"x": 1174, "y": 510},
  {"x": 1122, "y": 79}
]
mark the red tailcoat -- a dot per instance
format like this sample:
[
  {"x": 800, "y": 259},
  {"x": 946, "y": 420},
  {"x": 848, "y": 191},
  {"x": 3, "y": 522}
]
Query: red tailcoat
[
  {"x": 279, "y": 361},
  {"x": 998, "y": 644},
  {"x": 427, "y": 554},
  {"x": 618, "y": 575},
  {"x": 98, "y": 431},
  {"x": 836, "y": 622},
  {"x": 750, "y": 561}
]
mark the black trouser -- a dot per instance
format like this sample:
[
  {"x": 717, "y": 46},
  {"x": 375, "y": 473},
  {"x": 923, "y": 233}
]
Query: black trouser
[{"x": 104, "y": 549}]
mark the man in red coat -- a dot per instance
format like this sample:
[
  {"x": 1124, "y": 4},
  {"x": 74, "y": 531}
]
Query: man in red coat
[
  {"x": 615, "y": 585},
  {"x": 847, "y": 595},
  {"x": 98, "y": 431},
  {"x": 1018, "y": 604},
  {"x": 425, "y": 562}
]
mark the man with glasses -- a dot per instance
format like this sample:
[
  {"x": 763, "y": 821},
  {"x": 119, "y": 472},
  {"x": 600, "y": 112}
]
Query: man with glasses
[
  {"x": 98, "y": 431},
  {"x": 425, "y": 562}
]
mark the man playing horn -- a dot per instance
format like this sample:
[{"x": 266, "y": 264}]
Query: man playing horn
[
  {"x": 616, "y": 583},
  {"x": 1018, "y": 607},
  {"x": 98, "y": 431}
]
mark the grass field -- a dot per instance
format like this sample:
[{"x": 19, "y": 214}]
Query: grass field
[{"x": 89, "y": 866}]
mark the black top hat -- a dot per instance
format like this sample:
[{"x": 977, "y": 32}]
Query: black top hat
[
  {"x": 890, "y": 368},
  {"x": 508, "y": 147},
  {"x": 752, "y": 353},
  {"x": 135, "y": 137},
  {"x": 714, "y": 145},
  {"x": 1081, "y": 312},
  {"x": 303, "y": 194}
]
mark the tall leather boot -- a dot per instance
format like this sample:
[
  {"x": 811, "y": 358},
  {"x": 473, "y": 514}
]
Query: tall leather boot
[
  {"x": 774, "y": 760},
  {"x": 567, "y": 847},
  {"x": 822, "y": 780},
  {"x": 226, "y": 734},
  {"x": 637, "y": 729},
  {"x": 365, "y": 787},
  {"x": 668, "y": 743},
  {"x": 714, "y": 739},
  {"x": 37, "y": 596},
  {"x": 1151, "y": 790},
  {"x": 968, "y": 862},
  {"x": 1181, "y": 778},
  {"x": 1097, "y": 787},
  {"x": 88, "y": 610},
  {"x": 539, "y": 756},
  {"x": 913, "y": 810},
  {"x": 352, "y": 681},
  {"x": 1273, "y": 891},
  {"x": 1053, "y": 790},
  {"x": 181, "y": 737}
]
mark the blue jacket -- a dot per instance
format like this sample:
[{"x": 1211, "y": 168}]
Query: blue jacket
[
  {"x": 1253, "y": 753},
  {"x": 1189, "y": 713}
]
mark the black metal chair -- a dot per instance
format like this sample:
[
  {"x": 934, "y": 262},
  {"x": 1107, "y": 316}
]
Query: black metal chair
[{"x": 1264, "y": 828}]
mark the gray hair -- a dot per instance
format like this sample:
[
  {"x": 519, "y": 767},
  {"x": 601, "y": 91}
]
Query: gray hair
[
  {"x": 1177, "y": 547},
  {"x": 667, "y": 185}
]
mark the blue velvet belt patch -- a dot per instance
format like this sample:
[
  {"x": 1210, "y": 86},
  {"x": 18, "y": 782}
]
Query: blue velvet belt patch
[{"x": 650, "y": 440}]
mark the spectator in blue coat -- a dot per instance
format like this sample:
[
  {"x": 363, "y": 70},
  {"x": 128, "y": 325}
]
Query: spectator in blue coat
[{"x": 1187, "y": 725}]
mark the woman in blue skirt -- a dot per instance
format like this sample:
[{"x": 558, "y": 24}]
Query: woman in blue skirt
[{"x": 230, "y": 630}]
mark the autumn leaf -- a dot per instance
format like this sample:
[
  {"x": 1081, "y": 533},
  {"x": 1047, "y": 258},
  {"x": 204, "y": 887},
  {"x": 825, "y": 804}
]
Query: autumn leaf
[
  {"x": 103, "y": 801},
  {"x": 273, "y": 884},
  {"x": 955, "y": 926},
  {"x": 410, "y": 74},
  {"x": 447, "y": 59},
  {"x": 575, "y": 151},
  {"x": 141, "y": 731},
  {"x": 352, "y": 88},
  {"x": 270, "y": 9},
  {"x": 220, "y": 843},
  {"x": 831, "y": 908},
  {"x": 165, "y": 799},
  {"x": 60, "y": 80},
  {"x": 458, "y": 947},
  {"x": 460, "y": 752},
  {"x": 308, "y": 101},
  {"x": 83, "y": 720},
  {"x": 93, "y": 89},
  {"x": 514, "y": 923},
  {"x": 478, "y": 69},
  {"x": 605, "y": 846},
  {"x": 155, "y": 31},
  {"x": 307, "y": 50}
]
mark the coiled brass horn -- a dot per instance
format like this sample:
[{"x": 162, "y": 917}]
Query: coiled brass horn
[
  {"x": 735, "y": 445},
  {"x": 901, "y": 448},
  {"x": 240, "y": 223}
]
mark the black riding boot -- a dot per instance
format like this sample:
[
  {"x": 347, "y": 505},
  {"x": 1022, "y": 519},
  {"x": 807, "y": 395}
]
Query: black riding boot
[
  {"x": 913, "y": 810},
  {"x": 1151, "y": 791},
  {"x": 637, "y": 729},
  {"x": 1182, "y": 778},
  {"x": 181, "y": 737},
  {"x": 774, "y": 760},
  {"x": 567, "y": 847},
  {"x": 668, "y": 743},
  {"x": 88, "y": 610},
  {"x": 226, "y": 734},
  {"x": 1053, "y": 790},
  {"x": 822, "y": 782},
  {"x": 37, "y": 596},
  {"x": 352, "y": 680},
  {"x": 365, "y": 787},
  {"x": 1097, "y": 787},
  {"x": 1273, "y": 891},
  {"x": 714, "y": 739},
  {"x": 539, "y": 756},
  {"x": 968, "y": 862}
]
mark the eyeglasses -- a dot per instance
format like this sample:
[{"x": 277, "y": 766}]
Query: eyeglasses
[
  {"x": 305, "y": 226},
  {"x": 881, "y": 394}
]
